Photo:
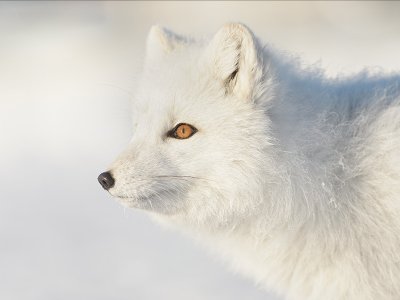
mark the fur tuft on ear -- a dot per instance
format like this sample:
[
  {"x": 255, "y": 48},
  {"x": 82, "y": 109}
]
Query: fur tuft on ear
[
  {"x": 161, "y": 41},
  {"x": 236, "y": 61}
]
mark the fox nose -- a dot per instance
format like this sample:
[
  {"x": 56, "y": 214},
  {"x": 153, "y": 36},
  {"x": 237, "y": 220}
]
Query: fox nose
[{"x": 106, "y": 180}]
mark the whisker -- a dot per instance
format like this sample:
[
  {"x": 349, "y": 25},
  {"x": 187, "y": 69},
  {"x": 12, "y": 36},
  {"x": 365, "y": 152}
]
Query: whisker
[
  {"x": 165, "y": 177},
  {"x": 181, "y": 176},
  {"x": 129, "y": 93}
]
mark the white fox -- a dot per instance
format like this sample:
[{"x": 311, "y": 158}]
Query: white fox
[{"x": 292, "y": 177}]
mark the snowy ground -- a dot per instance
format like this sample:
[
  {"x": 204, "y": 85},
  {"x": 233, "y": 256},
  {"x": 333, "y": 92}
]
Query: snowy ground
[{"x": 66, "y": 72}]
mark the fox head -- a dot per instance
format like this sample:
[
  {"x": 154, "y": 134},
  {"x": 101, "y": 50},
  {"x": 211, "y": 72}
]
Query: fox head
[{"x": 199, "y": 150}]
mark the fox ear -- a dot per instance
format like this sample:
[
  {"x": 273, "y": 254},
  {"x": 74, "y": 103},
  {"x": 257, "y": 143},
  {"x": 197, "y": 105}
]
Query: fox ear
[
  {"x": 161, "y": 41},
  {"x": 236, "y": 60}
]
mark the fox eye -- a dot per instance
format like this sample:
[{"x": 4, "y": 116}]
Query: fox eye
[{"x": 182, "y": 131}]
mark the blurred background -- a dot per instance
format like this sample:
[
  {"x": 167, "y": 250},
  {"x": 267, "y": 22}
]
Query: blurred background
[{"x": 67, "y": 72}]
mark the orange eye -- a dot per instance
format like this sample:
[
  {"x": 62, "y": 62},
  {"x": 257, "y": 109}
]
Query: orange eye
[{"x": 182, "y": 131}]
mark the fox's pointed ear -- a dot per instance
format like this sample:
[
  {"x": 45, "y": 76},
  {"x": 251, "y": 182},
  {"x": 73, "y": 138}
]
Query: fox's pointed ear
[
  {"x": 161, "y": 41},
  {"x": 236, "y": 60}
]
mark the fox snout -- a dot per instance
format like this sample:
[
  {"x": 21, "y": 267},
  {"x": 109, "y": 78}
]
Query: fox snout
[{"x": 106, "y": 180}]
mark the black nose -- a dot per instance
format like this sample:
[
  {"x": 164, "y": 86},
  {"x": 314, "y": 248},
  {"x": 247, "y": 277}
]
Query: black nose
[{"x": 106, "y": 180}]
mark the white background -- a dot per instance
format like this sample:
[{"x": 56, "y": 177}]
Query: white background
[{"x": 67, "y": 70}]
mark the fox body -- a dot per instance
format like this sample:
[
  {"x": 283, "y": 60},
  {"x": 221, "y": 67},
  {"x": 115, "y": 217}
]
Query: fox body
[{"x": 293, "y": 178}]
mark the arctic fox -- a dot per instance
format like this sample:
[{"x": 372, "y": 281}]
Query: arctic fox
[{"x": 292, "y": 177}]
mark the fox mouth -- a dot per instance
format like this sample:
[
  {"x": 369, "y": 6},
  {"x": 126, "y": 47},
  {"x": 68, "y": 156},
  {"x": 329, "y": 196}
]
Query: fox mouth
[
  {"x": 163, "y": 186},
  {"x": 164, "y": 194},
  {"x": 164, "y": 202},
  {"x": 148, "y": 196}
]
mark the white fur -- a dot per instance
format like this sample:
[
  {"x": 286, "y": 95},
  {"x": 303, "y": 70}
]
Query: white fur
[{"x": 292, "y": 177}]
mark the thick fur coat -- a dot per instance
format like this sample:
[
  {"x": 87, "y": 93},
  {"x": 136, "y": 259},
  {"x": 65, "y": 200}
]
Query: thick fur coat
[{"x": 293, "y": 178}]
